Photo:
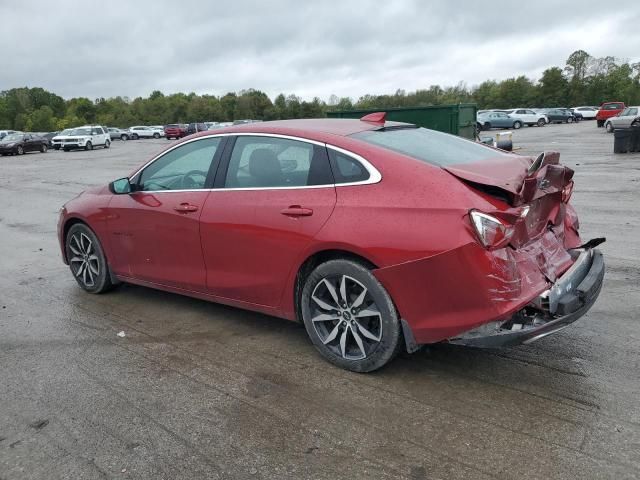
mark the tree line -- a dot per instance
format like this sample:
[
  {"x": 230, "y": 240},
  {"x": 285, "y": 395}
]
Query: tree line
[{"x": 583, "y": 80}]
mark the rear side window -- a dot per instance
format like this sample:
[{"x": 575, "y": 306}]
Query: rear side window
[
  {"x": 430, "y": 146},
  {"x": 347, "y": 169},
  {"x": 272, "y": 162},
  {"x": 612, "y": 106}
]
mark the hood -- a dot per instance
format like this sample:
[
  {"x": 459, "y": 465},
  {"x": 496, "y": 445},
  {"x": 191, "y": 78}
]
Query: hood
[{"x": 516, "y": 176}]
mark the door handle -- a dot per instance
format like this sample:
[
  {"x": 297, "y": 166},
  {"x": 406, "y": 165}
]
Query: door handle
[
  {"x": 185, "y": 208},
  {"x": 296, "y": 211}
]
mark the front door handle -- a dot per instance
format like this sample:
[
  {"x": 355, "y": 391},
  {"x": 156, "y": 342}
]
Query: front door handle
[
  {"x": 296, "y": 211},
  {"x": 185, "y": 208}
]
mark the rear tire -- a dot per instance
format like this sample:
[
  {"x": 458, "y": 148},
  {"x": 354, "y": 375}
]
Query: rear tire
[
  {"x": 487, "y": 126},
  {"x": 107, "y": 144},
  {"x": 134, "y": 136},
  {"x": 156, "y": 135},
  {"x": 350, "y": 317},
  {"x": 541, "y": 122},
  {"x": 87, "y": 261},
  {"x": 600, "y": 123},
  {"x": 43, "y": 148},
  {"x": 123, "y": 137}
]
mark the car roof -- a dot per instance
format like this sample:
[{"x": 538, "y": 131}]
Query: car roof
[{"x": 311, "y": 126}]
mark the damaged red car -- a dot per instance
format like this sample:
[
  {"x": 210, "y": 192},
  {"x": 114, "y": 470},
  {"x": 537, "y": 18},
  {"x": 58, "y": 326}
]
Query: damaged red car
[{"x": 378, "y": 236}]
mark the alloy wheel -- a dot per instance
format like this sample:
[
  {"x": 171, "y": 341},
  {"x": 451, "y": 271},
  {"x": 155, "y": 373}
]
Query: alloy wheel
[
  {"x": 85, "y": 264},
  {"x": 345, "y": 317}
]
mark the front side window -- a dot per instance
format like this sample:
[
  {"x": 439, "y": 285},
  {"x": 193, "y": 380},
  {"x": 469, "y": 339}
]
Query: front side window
[
  {"x": 183, "y": 168},
  {"x": 271, "y": 162}
]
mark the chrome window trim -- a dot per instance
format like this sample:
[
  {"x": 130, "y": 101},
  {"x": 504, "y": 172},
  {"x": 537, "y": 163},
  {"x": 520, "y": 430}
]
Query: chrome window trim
[{"x": 374, "y": 175}]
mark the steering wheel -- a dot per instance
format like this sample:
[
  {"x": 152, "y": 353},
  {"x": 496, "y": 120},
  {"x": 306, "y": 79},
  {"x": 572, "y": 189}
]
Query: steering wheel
[{"x": 188, "y": 182}]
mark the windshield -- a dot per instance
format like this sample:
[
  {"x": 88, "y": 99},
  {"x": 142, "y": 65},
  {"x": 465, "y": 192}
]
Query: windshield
[
  {"x": 80, "y": 131},
  {"x": 14, "y": 137},
  {"x": 430, "y": 146}
]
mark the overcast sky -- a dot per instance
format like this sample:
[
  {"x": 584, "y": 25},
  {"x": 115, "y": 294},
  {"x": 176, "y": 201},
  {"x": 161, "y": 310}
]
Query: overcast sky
[{"x": 309, "y": 48}]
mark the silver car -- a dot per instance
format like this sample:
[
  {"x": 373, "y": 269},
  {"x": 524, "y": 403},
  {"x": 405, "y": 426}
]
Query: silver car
[{"x": 623, "y": 120}]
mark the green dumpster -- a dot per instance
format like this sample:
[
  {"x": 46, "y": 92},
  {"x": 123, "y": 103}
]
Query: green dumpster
[{"x": 456, "y": 119}]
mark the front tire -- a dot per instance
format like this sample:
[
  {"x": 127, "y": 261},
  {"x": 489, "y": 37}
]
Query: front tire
[
  {"x": 570, "y": 120},
  {"x": 517, "y": 125},
  {"x": 123, "y": 137},
  {"x": 350, "y": 317},
  {"x": 86, "y": 259},
  {"x": 19, "y": 150},
  {"x": 88, "y": 146},
  {"x": 541, "y": 122},
  {"x": 156, "y": 135},
  {"x": 608, "y": 127}
]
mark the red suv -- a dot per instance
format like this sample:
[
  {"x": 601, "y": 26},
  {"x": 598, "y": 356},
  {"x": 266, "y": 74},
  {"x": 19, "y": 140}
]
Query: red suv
[
  {"x": 608, "y": 110},
  {"x": 175, "y": 130}
]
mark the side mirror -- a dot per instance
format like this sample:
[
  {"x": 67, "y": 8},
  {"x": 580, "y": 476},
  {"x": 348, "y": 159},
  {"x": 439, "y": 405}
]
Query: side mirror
[{"x": 120, "y": 186}]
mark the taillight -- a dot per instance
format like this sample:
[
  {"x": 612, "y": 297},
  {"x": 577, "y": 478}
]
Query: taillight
[
  {"x": 491, "y": 231},
  {"x": 567, "y": 191}
]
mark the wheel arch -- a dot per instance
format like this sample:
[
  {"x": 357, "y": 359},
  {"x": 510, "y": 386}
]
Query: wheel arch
[
  {"x": 315, "y": 259},
  {"x": 70, "y": 222}
]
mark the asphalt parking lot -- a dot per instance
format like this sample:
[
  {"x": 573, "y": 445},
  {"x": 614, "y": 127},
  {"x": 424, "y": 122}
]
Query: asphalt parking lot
[{"x": 199, "y": 390}]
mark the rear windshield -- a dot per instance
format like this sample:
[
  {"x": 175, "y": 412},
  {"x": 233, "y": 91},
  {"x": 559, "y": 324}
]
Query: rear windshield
[{"x": 430, "y": 146}]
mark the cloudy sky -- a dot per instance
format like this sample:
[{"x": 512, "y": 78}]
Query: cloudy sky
[{"x": 309, "y": 48}]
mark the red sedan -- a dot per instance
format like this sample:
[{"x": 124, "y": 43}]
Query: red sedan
[{"x": 377, "y": 235}]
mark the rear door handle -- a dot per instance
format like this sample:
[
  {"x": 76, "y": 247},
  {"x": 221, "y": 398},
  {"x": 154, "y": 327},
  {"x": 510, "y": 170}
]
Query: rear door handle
[
  {"x": 185, "y": 208},
  {"x": 296, "y": 211}
]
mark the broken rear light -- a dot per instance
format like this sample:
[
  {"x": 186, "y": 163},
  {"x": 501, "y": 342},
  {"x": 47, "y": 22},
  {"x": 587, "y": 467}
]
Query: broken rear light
[
  {"x": 567, "y": 191},
  {"x": 491, "y": 231}
]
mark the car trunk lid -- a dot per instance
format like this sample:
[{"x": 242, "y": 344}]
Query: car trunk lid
[{"x": 533, "y": 188}]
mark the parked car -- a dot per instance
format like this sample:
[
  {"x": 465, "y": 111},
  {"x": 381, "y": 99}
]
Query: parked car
[
  {"x": 86, "y": 137},
  {"x": 118, "y": 134},
  {"x": 588, "y": 113},
  {"x": 56, "y": 140},
  {"x": 195, "y": 128},
  {"x": 19, "y": 143},
  {"x": 608, "y": 110},
  {"x": 623, "y": 120},
  {"x": 558, "y": 115},
  {"x": 144, "y": 132},
  {"x": 48, "y": 136},
  {"x": 528, "y": 116},
  {"x": 175, "y": 130},
  {"x": 489, "y": 120},
  {"x": 577, "y": 116},
  {"x": 4, "y": 133},
  {"x": 332, "y": 222}
]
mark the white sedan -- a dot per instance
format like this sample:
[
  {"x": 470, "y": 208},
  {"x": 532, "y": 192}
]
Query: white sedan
[
  {"x": 528, "y": 116},
  {"x": 145, "y": 132},
  {"x": 588, "y": 113}
]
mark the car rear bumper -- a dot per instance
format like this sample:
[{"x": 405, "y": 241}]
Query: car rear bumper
[{"x": 570, "y": 297}]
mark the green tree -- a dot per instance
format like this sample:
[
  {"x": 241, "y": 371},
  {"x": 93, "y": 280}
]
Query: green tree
[{"x": 553, "y": 88}]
